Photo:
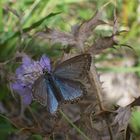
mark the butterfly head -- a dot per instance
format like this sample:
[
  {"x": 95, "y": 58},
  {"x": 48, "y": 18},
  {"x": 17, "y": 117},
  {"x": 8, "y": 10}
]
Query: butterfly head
[{"x": 45, "y": 71}]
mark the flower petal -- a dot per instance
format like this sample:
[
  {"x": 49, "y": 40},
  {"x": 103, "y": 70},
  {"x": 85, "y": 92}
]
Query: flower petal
[
  {"x": 19, "y": 70},
  {"x": 23, "y": 91},
  {"x": 45, "y": 62},
  {"x": 27, "y": 97},
  {"x": 26, "y": 60},
  {"x": 24, "y": 68},
  {"x": 26, "y": 74},
  {"x": 17, "y": 87}
]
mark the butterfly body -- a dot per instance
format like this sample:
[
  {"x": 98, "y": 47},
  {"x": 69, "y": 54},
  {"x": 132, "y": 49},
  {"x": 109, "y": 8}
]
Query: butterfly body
[
  {"x": 50, "y": 80},
  {"x": 63, "y": 84}
]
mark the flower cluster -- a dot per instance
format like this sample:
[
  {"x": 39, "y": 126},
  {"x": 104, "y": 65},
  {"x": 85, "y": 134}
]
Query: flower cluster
[{"x": 26, "y": 74}]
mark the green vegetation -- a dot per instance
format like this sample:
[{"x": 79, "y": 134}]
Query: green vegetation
[{"x": 21, "y": 19}]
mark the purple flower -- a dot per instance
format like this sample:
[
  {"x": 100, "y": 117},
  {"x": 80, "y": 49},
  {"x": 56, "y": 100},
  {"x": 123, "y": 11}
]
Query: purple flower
[
  {"x": 26, "y": 74},
  {"x": 45, "y": 63},
  {"x": 23, "y": 91}
]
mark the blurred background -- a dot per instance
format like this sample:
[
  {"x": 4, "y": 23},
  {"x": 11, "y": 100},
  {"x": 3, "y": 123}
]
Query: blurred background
[{"x": 119, "y": 68}]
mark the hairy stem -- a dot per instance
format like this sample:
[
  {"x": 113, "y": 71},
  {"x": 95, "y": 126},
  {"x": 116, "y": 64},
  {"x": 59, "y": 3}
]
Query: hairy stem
[
  {"x": 97, "y": 85},
  {"x": 73, "y": 125}
]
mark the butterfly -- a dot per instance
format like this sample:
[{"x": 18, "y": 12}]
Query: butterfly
[{"x": 63, "y": 84}]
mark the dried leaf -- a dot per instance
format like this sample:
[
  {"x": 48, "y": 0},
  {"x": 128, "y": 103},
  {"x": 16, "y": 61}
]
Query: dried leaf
[
  {"x": 136, "y": 102},
  {"x": 18, "y": 136},
  {"x": 78, "y": 35},
  {"x": 57, "y": 36},
  {"x": 101, "y": 44},
  {"x": 85, "y": 29},
  {"x": 123, "y": 117}
]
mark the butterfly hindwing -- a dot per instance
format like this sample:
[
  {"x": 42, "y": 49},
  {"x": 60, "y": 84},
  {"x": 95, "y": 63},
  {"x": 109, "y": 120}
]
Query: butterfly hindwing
[
  {"x": 52, "y": 103},
  {"x": 70, "y": 90},
  {"x": 74, "y": 68},
  {"x": 44, "y": 94}
]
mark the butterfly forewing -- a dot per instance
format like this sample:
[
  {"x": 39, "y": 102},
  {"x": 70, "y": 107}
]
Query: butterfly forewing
[
  {"x": 43, "y": 93},
  {"x": 39, "y": 90},
  {"x": 73, "y": 68}
]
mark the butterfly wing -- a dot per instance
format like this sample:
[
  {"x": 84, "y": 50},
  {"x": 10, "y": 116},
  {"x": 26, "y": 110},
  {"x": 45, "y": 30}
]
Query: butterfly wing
[
  {"x": 52, "y": 105},
  {"x": 39, "y": 91},
  {"x": 70, "y": 90},
  {"x": 44, "y": 94},
  {"x": 69, "y": 75},
  {"x": 74, "y": 68}
]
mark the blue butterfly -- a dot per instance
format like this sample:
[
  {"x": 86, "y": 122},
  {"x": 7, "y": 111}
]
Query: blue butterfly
[{"x": 63, "y": 84}]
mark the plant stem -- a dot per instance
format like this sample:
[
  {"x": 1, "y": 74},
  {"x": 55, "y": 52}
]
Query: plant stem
[{"x": 73, "y": 125}]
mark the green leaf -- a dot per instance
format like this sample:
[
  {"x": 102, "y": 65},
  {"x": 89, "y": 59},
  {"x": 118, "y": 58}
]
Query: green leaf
[
  {"x": 34, "y": 25},
  {"x": 36, "y": 137},
  {"x": 1, "y": 17},
  {"x": 135, "y": 122},
  {"x": 5, "y": 128}
]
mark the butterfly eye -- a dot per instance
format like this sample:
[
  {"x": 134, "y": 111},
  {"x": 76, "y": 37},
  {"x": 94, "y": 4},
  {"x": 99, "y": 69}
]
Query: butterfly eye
[{"x": 45, "y": 71}]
